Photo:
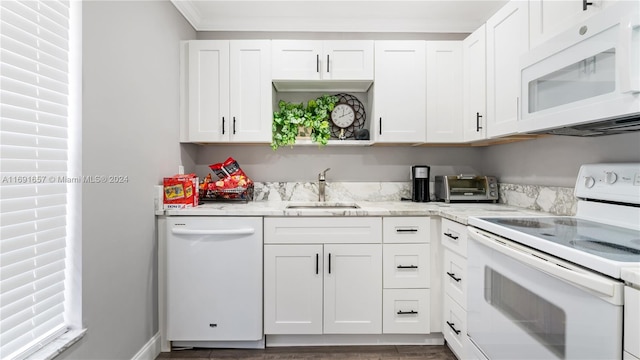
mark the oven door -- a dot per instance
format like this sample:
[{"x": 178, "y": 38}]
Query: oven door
[
  {"x": 586, "y": 74},
  {"x": 523, "y": 306}
]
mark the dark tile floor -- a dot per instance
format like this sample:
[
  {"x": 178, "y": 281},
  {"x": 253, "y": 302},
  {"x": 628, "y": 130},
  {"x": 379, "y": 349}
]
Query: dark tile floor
[{"x": 378, "y": 352}]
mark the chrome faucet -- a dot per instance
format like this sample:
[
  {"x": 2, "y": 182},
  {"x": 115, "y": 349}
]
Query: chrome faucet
[{"x": 322, "y": 184}]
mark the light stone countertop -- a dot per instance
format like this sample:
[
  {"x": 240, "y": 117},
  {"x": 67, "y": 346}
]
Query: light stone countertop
[{"x": 458, "y": 212}]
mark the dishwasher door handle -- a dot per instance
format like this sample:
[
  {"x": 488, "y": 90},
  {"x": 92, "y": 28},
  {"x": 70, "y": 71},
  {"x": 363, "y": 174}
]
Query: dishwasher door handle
[{"x": 246, "y": 231}]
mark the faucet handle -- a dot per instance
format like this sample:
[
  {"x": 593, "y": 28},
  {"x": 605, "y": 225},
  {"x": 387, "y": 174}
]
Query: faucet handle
[{"x": 322, "y": 175}]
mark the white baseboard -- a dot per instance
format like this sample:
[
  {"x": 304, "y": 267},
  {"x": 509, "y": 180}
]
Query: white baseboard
[
  {"x": 150, "y": 350},
  {"x": 348, "y": 339}
]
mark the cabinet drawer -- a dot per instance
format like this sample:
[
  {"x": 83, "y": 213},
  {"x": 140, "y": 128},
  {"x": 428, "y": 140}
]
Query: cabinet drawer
[
  {"x": 405, "y": 266},
  {"x": 323, "y": 230},
  {"x": 454, "y": 327},
  {"x": 455, "y": 277},
  {"x": 405, "y": 311},
  {"x": 454, "y": 236},
  {"x": 405, "y": 229}
]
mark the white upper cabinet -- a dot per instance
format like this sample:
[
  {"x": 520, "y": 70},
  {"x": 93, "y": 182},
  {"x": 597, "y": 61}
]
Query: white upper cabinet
[
  {"x": 444, "y": 92},
  {"x": 548, "y": 18},
  {"x": 474, "y": 85},
  {"x": 208, "y": 90},
  {"x": 229, "y": 95},
  {"x": 400, "y": 92},
  {"x": 507, "y": 34},
  {"x": 322, "y": 60}
]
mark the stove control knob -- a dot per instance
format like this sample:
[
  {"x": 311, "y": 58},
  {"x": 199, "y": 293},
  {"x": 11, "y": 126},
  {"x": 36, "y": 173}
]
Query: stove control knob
[
  {"x": 610, "y": 177},
  {"x": 589, "y": 181}
]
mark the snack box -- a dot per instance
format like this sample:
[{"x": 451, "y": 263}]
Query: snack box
[{"x": 180, "y": 191}]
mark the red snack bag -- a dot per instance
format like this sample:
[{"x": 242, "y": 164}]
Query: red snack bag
[{"x": 218, "y": 170}]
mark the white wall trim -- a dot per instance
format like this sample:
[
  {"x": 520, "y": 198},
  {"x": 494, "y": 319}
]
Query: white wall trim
[{"x": 150, "y": 350}]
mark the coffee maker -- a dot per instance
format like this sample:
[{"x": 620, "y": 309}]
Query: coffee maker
[{"x": 420, "y": 183}]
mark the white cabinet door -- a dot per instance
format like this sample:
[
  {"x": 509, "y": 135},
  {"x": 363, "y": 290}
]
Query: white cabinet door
[
  {"x": 406, "y": 311},
  {"x": 474, "y": 85},
  {"x": 293, "y": 289},
  {"x": 208, "y": 88},
  {"x": 347, "y": 60},
  {"x": 353, "y": 289},
  {"x": 296, "y": 59},
  {"x": 250, "y": 89},
  {"x": 507, "y": 34},
  {"x": 400, "y": 91},
  {"x": 322, "y": 60},
  {"x": 547, "y": 18},
  {"x": 444, "y": 92},
  {"x": 228, "y": 91},
  {"x": 406, "y": 266}
]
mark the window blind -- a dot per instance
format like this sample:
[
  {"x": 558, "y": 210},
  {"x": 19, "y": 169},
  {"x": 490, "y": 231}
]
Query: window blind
[{"x": 34, "y": 83}]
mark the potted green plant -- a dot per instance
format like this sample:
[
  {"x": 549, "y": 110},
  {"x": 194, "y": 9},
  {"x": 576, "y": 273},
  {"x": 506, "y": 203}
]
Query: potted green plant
[{"x": 293, "y": 116}]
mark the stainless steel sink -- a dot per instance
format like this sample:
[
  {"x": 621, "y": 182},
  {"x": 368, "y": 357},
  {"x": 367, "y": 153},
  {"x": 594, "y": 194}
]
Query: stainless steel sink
[{"x": 322, "y": 206}]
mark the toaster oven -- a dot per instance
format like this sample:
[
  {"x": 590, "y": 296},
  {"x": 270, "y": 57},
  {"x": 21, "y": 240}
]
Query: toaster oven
[{"x": 466, "y": 188}]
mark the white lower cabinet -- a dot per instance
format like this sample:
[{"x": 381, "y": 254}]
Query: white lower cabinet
[
  {"x": 406, "y": 275},
  {"x": 631, "y": 323},
  {"x": 322, "y": 288},
  {"x": 453, "y": 237}
]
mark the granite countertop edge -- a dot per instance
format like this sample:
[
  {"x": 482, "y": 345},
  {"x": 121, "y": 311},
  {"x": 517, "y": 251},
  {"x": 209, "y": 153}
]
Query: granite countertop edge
[{"x": 458, "y": 212}]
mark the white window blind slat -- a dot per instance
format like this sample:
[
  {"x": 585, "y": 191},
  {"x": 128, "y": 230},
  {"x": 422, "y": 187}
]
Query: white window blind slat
[
  {"x": 24, "y": 304},
  {"x": 18, "y": 293},
  {"x": 20, "y": 88},
  {"x": 33, "y": 66},
  {"x": 26, "y": 283},
  {"x": 39, "y": 15},
  {"x": 16, "y": 74},
  {"x": 34, "y": 86},
  {"x": 29, "y": 116}
]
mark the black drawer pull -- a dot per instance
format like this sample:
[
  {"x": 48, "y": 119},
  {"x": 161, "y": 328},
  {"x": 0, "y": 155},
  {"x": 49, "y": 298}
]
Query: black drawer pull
[
  {"x": 585, "y": 3},
  {"x": 329, "y": 263},
  {"x": 317, "y": 263},
  {"x": 234, "y": 125},
  {"x": 400, "y": 312},
  {"x": 223, "y": 125},
  {"x": 452, "y": 328},
  {"x": 406, "y": 230},
  {"x": 451, "y": 236},
  {"x": 453, "y": 276},
  {"x": 407, "y": 267}
]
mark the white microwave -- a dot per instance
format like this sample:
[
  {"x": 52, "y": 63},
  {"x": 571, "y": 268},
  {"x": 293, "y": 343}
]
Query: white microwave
[{"x": 588, "y": 76}]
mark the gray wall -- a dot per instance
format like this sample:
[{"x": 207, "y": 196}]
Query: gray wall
[
  {"x": 374, "y": 163},
  {"x": 130, "y": 128},
  {"x": 555, "y": 160}
]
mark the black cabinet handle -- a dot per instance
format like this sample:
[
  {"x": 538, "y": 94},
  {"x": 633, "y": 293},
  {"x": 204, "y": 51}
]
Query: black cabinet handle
[
  {"x": 406, "y": 312},
  {"x": 223, "y": 125},
  {"x": 453, "y": 276},
  {"x": 478, "y": 117},
  {"x": 585, "y": 3},
  {"x": 234, "y": 125},
  {"x": 317, "y": 63},
  {"x": 407, "y": 266},
  {"x": 453, "y": 328},
  {"x": 329, "y": 263},
  {"x": 317, "y": 263},
  {"x": 406, "y": 230},
  {"x": 380, "y": 127},
  {"x": 327, "y": 62},
  {"x": 451, "y": 236}
]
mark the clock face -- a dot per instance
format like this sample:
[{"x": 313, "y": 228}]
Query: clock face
[{"x": 343, "y": 115}]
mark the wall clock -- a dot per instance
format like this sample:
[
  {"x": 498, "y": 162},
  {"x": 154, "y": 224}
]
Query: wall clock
[{"x": 347, "y": 116}]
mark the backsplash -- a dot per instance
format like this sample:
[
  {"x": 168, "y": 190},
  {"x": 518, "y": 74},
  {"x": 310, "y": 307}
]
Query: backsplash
[{"x": 551, "y": 199}]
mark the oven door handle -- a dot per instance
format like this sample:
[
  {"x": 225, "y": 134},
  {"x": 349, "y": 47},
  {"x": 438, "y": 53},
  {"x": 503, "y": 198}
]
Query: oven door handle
[{"x": 589, "y": 281}]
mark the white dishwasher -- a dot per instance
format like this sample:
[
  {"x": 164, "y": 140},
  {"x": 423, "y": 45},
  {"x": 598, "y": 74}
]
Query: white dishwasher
[{"x": 214, "y": 280}]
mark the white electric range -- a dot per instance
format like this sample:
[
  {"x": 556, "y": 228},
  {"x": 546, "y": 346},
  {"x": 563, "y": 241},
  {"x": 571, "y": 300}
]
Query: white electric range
[{"x": 549, "y": 287}]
